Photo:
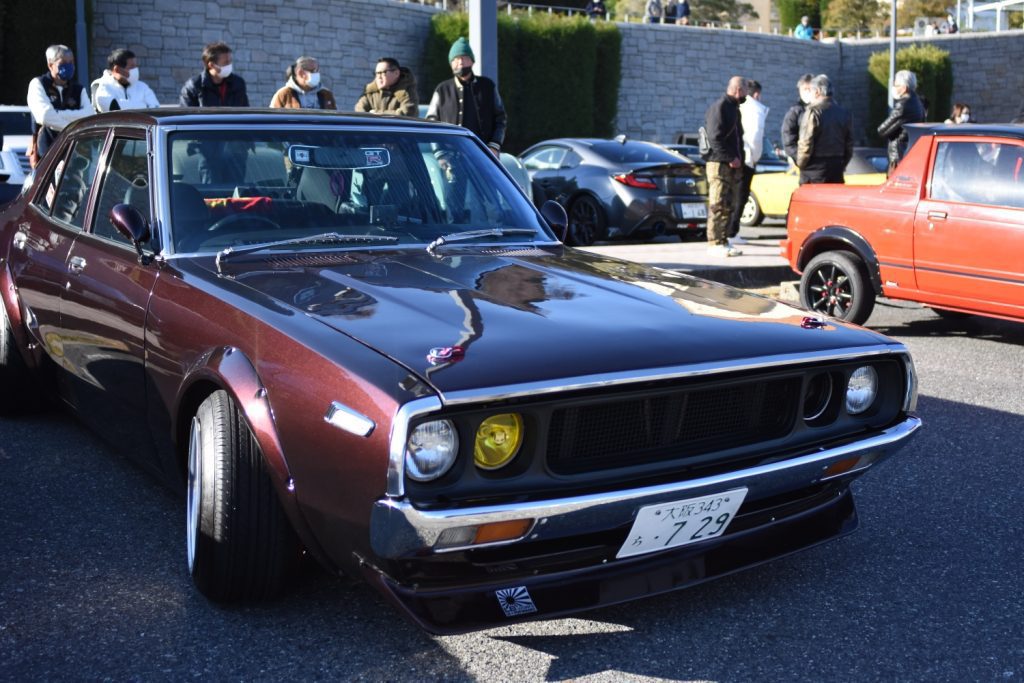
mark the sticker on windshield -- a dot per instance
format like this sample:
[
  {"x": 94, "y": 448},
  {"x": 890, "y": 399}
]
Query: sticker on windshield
[{"x": 376, "y": 157}]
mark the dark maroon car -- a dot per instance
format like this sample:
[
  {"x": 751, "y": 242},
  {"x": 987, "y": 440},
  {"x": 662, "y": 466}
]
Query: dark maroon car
[{"x": 355, "y": 337}]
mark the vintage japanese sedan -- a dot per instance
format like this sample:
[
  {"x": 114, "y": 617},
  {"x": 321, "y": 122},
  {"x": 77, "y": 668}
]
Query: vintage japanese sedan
[{"x": 355, "y": 337}]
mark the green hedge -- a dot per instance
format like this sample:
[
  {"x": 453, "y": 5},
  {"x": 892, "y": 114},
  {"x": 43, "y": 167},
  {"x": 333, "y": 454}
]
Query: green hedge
[
  {"x": 934, "y": 70},
  {"x": 28, "y": 28},
  {"x": 558, "y": 76}
]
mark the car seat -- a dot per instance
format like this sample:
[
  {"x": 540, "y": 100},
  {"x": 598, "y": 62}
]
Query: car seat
[{"x": 190, "y": 217}]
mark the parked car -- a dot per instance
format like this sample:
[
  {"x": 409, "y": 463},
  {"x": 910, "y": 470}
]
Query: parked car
[
  {"x": 619, "y": 188},
  {"x": 946, "y": 229},
  {"x": 16, "y": 130},
  {"x": 354, "y": 336},
  {"x": 770, "y": 192},
  {"x": 770, "y": 161}
]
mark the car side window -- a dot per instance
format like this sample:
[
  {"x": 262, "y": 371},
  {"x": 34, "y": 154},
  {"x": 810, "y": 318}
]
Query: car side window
[
  {"x": 545, "y": 159},
  {"x": 571, "y": 159},
  {"x": 126, "y": 181},
  {"x": 76, "y": 177},
  {"x": 979, "y": 173}
]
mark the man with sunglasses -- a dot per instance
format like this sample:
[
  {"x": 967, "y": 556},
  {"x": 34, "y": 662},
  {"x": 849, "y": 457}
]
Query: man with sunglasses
[{"x": 393, "y": 90}]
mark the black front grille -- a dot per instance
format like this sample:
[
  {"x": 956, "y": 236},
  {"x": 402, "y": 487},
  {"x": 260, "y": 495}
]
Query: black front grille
[{"x": 671, "y": 425}]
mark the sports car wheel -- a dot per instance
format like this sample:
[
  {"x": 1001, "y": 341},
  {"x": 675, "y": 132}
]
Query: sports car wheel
[
  {"x": 587, "y": 222},
  {"x": 751, "y": 212},
  {"x": 240, "y": 544},
  {"x": 18, "y": 391},
  {"x": 835, "y": 284}
]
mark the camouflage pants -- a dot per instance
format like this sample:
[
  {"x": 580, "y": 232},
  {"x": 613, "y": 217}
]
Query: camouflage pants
[{"x": 722, "y": 184}]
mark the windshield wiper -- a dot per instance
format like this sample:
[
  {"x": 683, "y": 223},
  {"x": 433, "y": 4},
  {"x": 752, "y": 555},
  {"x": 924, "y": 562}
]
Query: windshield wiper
[
  {"x": 323, "y": 238},
  {"x": 474, "y": 234}
]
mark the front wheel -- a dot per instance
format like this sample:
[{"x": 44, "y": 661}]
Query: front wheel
[
  {"x": 240, "y": 544},
  {"x": 587, "y": 222},
  {"x": 18, "y": 390},
  {"x": 835, "y": 284},
  {"x": 752, "y": 214}
]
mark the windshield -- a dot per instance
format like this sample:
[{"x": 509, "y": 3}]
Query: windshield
[
  {"x": 634, "y": 152},
  {"x": 236, "y": 188}
]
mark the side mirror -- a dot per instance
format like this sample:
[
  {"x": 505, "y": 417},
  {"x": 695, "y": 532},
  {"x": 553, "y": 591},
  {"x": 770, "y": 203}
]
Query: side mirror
[
  {"x": 131, "y": 224},
  {"x": 554, "y": 213}
]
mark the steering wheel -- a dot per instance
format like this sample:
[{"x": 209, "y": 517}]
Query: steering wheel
[{"x": 231, "y": 219}]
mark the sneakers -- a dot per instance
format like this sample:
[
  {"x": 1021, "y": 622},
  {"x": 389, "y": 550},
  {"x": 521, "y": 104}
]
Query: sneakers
[
  {"x": 737, "y": 240},
  {"x": 723, "y": 250}
]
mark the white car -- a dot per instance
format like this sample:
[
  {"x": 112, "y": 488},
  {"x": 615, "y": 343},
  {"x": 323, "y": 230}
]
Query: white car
[{"x": 16, "y": 126}]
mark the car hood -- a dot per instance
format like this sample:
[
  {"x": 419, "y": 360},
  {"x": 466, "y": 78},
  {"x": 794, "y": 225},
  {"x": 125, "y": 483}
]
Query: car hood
[{"x": 536, "y": 317}]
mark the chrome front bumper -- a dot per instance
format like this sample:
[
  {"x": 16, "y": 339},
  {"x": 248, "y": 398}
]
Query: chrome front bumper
[{"x": 397, "y": 529}]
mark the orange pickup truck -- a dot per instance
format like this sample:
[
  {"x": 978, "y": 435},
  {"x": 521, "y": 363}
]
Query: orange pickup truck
[{"x": 946, "y": 229}]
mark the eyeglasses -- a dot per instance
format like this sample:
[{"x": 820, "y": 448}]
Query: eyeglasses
[{"x": 385, "y": 71}]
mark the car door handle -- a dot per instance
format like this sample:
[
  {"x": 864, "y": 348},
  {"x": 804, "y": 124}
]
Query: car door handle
[
  {"x": 936, "y": 215},
  {"x": 76, "y": 264}
]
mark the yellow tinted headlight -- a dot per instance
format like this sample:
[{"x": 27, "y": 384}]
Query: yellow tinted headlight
[{"x": 497, "y": 440}]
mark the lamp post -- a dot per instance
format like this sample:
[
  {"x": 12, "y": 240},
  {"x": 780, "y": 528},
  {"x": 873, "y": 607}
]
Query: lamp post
[
  {"x": 483, "y": 37},
  {"x": 892, "y": 51}
]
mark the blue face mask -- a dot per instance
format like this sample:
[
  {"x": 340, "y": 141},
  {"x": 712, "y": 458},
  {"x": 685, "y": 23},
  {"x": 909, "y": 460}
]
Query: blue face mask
[{"x": 66, "y": 71}]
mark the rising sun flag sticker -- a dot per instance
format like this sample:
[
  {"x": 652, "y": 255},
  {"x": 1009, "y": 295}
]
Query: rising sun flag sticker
[{"x": 515, "y": 601}]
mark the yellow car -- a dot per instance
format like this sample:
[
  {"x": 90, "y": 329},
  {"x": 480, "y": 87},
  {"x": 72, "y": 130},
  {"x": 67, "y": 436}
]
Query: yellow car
[{"x": 769, "y": 192}]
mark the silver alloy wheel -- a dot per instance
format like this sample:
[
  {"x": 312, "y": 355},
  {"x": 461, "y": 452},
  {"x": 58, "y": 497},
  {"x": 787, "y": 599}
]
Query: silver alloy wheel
[{"x": 195, "y": 488}]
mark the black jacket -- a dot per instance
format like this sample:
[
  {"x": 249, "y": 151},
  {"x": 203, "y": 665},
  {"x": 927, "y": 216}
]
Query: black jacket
[
  {"x": 826, "y": 132},
  {"x": 725, "y": 130},
  {"x": 201, "y": 91},
  {"x": 475, "y": 105},
  {"x": 791, "y": 129},
  {"x": 68, "y": 97},
  {"x": 904, "y": 110}
]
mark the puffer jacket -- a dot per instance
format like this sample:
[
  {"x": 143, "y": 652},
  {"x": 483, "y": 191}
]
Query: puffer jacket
[
  {"x": 399, "y": 99},
  {"x": 904, "y": 110},
  {"x": 826, "y": 131}
]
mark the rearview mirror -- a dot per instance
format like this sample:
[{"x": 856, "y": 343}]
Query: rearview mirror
[
  {"x": 133, "y": 226},
  {"x": 554, "y": 213}
]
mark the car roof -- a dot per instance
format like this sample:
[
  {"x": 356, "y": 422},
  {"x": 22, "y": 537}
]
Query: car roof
[{"x": 1011, "y": 130}]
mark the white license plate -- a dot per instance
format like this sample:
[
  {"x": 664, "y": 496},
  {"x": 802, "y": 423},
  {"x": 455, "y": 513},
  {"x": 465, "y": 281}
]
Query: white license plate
[
  {"x": 670, "y": 525},
  {"x": 693, "y": 210}
]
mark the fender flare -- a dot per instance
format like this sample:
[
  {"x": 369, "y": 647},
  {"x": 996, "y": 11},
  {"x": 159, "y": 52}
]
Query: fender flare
[
  {"x": 228, "y": 368},
  {"x": 841, "y": 238}
]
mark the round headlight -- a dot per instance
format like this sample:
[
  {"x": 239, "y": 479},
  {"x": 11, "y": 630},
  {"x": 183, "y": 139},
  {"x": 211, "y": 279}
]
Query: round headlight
[
  {"x": 861, "y": 390},
  {"x": 497, "y": 440},
  {"x": 431, "y": 450}
]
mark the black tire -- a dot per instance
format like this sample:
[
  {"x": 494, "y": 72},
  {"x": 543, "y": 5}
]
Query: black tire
[
  {"x": 752, "y": 214},
  {"x": 835, "y": 283},
  {"x": 19, "y": 392},
  {"x": 240, "y": 545},
  {"x": 587, "y": 222}
]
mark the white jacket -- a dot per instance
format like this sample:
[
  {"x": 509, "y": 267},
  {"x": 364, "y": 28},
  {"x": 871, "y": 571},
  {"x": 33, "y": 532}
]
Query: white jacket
[
  {"x": 753, "y": 114},
  {"x": 44, "y": 112},
  {"x": 106, "y": 89}
]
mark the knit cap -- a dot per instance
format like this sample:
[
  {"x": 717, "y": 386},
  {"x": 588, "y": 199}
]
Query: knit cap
[{"x": 460, "y": 48}]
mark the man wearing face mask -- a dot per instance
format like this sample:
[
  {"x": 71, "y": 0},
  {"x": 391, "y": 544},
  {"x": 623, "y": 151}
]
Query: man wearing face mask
[
  {"x": 468, "y": 100},
  {"x": 55, "y": 99},
  {"x": 906, "y": 108},
  {"x": 791, "y": 121},
  {"x": 119, "y": 87},
  {"x": 393, "y": 90},
  {"x": 217, "y": 85},
  {"x": 303, "y": 89},
  {"x": 826, "y": 137}
]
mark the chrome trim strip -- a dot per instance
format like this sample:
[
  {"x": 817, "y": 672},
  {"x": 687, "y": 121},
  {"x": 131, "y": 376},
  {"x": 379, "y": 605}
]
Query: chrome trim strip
[
  {"x": 343, "y": 417},
  {"x": 397, "y": 529},
  {"x": 656, "y": 374},
  {"x": 910, "y": 398},
  {"x": 399, "y": 434}
]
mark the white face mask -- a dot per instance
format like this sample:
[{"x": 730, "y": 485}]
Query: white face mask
[
  {"x": 225, "y": 70},
  {"x": 965, "y": 117},
  {"x": 806, "y": 97},
  {"x": 133, "y": 75},
  {"x": 896, "y": 94},
  {"x": 314, "y": 79}
]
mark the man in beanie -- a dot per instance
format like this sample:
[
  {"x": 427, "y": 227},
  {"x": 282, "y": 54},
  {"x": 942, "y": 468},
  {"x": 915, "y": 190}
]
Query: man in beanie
[{"x": 469, "y": 100}]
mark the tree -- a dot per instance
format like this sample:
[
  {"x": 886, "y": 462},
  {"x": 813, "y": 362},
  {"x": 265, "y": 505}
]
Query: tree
[
  {"x": 854, "y": 15},
  {"x": 721, "y": 11},
  {"x": 790, "y": 12},
  {"x": 912, "y": 9}
]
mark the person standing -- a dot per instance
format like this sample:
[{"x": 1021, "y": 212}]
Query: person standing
[
  {"x": 753, "y": 114},
  {"x": 120, "y": 88},
  {"x": 804, "y": 30},
  {"x": 826, "y": 137},
  {"x": 392, "y": 91},
  {"x": 683, "y": 13},
  {"x": 595, "y": 10},
  {"x": 671, "y": 11},
  {"x": 302, "y": 88},
  {"x": 906, "y": 109},
  {"x": 469, "y": 100},
  {"x": 55, "y": 100},
  {"x": 654, "y": 11},
  {"x": 217, "y": 85},
  {"x": 724, "y": 163},
  {"x": 791, "y": 121},
  {"x": 961, "y": 114}
]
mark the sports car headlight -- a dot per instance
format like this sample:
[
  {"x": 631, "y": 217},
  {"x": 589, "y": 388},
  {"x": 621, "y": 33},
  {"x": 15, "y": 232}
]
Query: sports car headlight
[
  {"x": 497, "y": 440},
  {"x": 861, "y": 390},
  {"x": 431, "y": 450}
]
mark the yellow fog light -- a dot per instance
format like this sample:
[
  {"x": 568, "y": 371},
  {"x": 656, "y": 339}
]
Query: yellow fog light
[{"x": 497, "y": 440}]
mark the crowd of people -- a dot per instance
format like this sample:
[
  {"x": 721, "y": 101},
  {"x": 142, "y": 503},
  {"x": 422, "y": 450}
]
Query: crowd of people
[{"x": 57, "y": 98}]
